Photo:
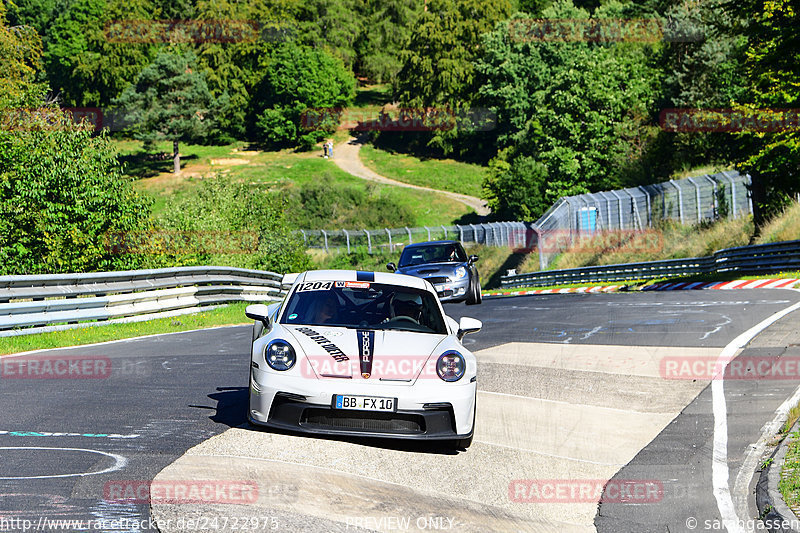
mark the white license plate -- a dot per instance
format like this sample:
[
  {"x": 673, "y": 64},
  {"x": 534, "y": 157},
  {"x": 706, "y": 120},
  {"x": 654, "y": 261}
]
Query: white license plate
[
  {"x": 440, "y": 288},
  {"x": 364, "y": 403}
]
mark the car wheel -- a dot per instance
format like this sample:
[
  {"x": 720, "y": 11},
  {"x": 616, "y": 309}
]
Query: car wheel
[{"x": 473, "y": 297}]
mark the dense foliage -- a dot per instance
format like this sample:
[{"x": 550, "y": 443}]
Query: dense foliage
[{"x": 578, "y": 112}]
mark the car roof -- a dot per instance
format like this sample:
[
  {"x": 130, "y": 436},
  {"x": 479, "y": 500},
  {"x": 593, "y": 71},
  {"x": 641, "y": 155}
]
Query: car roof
[
  {"x": 414, "y": 245},
  {"x": 388, "y": 278}
]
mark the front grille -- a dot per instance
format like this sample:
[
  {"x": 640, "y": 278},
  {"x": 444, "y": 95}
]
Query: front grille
[
  {"x": 438, "y": 279},
  {"x": 366, "y": 421}
]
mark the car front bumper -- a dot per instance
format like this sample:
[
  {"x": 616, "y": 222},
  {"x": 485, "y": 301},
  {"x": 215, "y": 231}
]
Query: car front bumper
[
  {"x": 453, "y": 291},
  {"x": 425, "y": 410}
]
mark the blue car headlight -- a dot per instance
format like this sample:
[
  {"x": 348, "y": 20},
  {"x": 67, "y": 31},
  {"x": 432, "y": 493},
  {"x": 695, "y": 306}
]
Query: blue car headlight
[
  {"x": 451, "y": 366},
  {"x": 280, "y": 355},
  {"x": 460, "y": 272}
]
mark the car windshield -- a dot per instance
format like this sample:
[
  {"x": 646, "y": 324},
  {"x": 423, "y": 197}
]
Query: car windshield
[
  {"x": 434, "y": 253},
  {"x": 356, "y": 304}
]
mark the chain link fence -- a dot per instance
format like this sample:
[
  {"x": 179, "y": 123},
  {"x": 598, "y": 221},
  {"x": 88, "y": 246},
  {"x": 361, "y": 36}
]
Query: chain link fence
[
  {"x": 688, "y": 201},
  {"x": 509, "y": 234},
  {"x": 572, "y": 218}
]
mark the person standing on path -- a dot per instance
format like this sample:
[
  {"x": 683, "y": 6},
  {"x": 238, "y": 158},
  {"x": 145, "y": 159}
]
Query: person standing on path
[
  {"x": 330, "y": 148},
  {"x": 325, "y": 150}
]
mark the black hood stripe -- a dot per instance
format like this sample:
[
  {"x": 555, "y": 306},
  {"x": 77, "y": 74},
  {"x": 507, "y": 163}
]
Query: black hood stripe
[{"x": 366, "y": 350}]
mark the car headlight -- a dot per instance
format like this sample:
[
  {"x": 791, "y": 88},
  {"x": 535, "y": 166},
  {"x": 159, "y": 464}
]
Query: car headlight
[
  {"x": 460, "y": 272},
  {"x": 280, "y": 355},
  {"x": 451, "y": 366}
]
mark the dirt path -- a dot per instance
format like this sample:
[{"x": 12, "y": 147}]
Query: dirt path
[{"x": 347, "y": 158}]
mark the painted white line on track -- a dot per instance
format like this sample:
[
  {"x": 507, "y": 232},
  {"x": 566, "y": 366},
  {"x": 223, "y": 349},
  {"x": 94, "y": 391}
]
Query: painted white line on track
[
  {"x": 719, "y": 459},
  {"x": 119, "y": 462}
]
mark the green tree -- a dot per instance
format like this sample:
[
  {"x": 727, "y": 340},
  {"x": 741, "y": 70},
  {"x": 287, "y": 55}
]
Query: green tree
[
  {"x": 516, "y": 190},
  {"x": 332, "y": 26},
  {"x": 299, "y": 80},
  {"x": 61, "y": 192},
  {"x": 772, "y": 56},
  {"x": 86, "y": 64},
  {"x": 387, "y": 28},
  {"x": 169, "y": 101},
  {"x": 234, "y": 69},
  {"x": 438, "y": 64},
  {"x": 579, "y": 108},
  {"x": 21, "y": 51}
]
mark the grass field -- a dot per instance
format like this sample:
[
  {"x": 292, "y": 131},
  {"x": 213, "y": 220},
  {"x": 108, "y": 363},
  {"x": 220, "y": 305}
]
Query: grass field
[
  {"x": 441, "y": 174},
  {"x": 221, "y": 316},
  {"x": 276, "y": 170}
]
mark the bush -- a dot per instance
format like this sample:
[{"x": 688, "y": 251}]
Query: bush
[
  {"x": 227, "y": 224},
  {"x": 336, "y": 206},
  {"x": 61, "y": 192}
]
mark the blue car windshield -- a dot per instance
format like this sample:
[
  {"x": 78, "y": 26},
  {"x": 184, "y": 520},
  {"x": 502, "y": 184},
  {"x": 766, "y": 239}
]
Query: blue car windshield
[
  {"x": 434, "y": 253},
  {"x": 365, "y": 305}
]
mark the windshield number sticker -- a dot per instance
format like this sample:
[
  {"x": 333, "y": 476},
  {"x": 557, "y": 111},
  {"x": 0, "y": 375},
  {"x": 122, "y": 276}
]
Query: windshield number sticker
[{"x": 315, "y": 286}]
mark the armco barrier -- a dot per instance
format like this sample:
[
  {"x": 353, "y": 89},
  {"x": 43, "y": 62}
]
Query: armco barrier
[
  {"x": 31, "y": 304},
  {"x": 760, "y": 258}
]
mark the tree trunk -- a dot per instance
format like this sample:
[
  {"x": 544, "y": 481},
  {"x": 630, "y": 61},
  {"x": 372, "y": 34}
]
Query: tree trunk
[{"x": 176, "y": 158}]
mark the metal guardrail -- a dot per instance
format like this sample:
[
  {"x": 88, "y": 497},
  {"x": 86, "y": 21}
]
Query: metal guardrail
[
  {"x": 33, "y": 304},
  {"x": 760, "y": 258}
]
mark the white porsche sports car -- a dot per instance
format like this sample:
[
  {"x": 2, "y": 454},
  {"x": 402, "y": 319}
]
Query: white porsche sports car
[{"x": 365, "y": 354}]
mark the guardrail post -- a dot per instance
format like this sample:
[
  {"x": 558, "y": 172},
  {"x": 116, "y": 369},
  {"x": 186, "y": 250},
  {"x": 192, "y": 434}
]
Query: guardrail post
[
  {"x": 324, "y": 234},
  {"x": 460, "y": 233},
  {"x": 680, "y": 200},
  {"x": 369, "y": 241},
  {"x": 305, "y": 239},
  {"x": 389, "y": 233},
  {"x": 429, "y": 231},
  {"x": 445, "y": 232},
  {"x": 410, "y": 241},
  {"x": 347, "y": 236},
  {"x": 697, "y": 194},
  {"x": 750, "y": 195}
]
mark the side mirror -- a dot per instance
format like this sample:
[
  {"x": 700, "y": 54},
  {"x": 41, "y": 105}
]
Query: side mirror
[
  {"x": 468, "y": 325},
  {"x": 258, "y": 312},
  {"x": 391, "y": 267},
  {"x": 473, "y": 259}
]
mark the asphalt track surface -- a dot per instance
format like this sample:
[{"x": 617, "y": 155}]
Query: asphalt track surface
[{"x": 166, "y": 394}]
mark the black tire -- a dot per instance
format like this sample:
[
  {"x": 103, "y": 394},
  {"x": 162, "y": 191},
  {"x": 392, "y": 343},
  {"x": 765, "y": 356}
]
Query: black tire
[{"x": 474, "y": 295}]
